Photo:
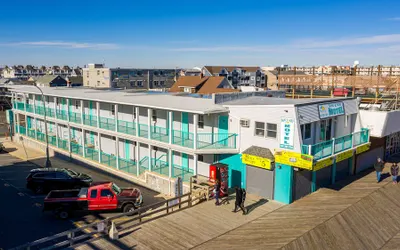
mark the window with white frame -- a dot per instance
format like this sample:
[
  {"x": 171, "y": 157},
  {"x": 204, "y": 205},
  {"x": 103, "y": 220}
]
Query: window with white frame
[
  {"x": 200, "y": 122},
  {"x": 306, "y": 131},
  {"x": 139, "y": 83},
  {"x": 263, "y": 129}
]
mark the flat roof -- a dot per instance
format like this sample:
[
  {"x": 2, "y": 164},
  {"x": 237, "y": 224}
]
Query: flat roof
[
  {"x": 263, "y": 100},
  {"x": 156, "y": 100}
]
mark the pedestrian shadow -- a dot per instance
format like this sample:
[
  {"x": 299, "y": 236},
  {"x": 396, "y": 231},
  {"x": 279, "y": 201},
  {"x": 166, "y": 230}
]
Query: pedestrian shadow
[
  {"x": 384, "y": 176},
  {"x": 253, "y": 206},
  {"x": 8, "y": 150}
]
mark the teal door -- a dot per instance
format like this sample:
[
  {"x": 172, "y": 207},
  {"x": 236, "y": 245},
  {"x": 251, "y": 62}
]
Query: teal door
[
  {"x": 283, "y": 183},
  {"x": 223, "y": 130}
]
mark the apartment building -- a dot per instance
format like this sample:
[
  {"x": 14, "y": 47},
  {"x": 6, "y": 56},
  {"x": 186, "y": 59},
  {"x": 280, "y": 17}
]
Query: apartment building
[
  {"x": 202, "y": 85},
  {"x": 25, "y": 72},
  {"x": 237, "y": 75},
  {"x": 99, "y": 76},
  {"x": 270, "y": 145}
]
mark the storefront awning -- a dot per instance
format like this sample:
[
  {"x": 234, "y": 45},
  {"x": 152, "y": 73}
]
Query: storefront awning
[{"x": 258, "y": 157}]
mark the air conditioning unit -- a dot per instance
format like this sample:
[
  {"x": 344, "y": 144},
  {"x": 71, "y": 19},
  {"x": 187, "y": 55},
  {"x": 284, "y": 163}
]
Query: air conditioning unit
[{"x": 245, "y": 123}]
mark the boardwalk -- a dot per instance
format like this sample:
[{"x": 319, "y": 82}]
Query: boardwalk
[{"x": 355, "y": 214}]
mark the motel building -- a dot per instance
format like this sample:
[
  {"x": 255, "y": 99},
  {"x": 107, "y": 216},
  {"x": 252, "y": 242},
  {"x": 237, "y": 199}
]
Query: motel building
[{"x": 277, "y": 148}]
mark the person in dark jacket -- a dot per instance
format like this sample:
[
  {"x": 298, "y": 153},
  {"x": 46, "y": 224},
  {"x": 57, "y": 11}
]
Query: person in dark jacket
[
  {"x": 240, "y": 198},
  {"x": 217, "y": 189},
  {"x": 379, "y": 165},
  {"x": 394, "y": 171}
]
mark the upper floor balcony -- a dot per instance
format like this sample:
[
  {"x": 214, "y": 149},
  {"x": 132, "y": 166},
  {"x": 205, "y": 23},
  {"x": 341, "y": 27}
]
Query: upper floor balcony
[
  {"x": 336, "y": 145},
  {"x": 201, "y": 141}
]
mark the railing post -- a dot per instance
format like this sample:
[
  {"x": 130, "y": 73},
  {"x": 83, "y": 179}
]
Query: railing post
[
  {"x": 117, "y": 151},
  {"x": 137, "y": 152},
  {"x": 98, "y": 114},
  {"x": 149, "y": 114},
  {"x": 309, "y": 149},
  {"x": 83, "y": 143},
  {"x": 68, "y": 103},
  {"x": 136, "y": 119},
  {"x": 170, "y": 127},
  {"x": 116, "y": 118},
  {"x": 195, "y": 124},
  {"x": 333, "y": 146},
  {"x": 71, "y": 237}
]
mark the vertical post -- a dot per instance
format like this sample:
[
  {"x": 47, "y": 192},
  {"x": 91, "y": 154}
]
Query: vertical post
[
  {"x": 117, "y": 150},
  {"x": 137, "y": 152},
  {"x": 314, "y": 182},
  {"x": 116, "y": 117},
  {"x": 82, "y": 112},
  {"x": 170, "y": 154},
  {"x": 170, "y": 127},
  {"x": 83, "y": 143},
  {"x": 149, "y": 114},
  {"x": 98, "y": 114},
  {"x": 333, "y": 173},
  {"x": 36, "y": 127},
  {"x": 137, "y": 121},
  {"x": 195, "y": 126},
  {"x": 196, "y": 164},
  {"x": 149, "y": 155},
  {"x": 34, "y": 103},
  {"x": 292, "y": 92},
  {"x": 56, "y": 125},
  {"x": 68, "y": 103},
  {"x": 333, "y": 146},
  {"x": 69, "y": 138},
  {"x": 55, "y": 108},
  {"x": 28, "y": 99},
  {"x": 99, "y": 145}
]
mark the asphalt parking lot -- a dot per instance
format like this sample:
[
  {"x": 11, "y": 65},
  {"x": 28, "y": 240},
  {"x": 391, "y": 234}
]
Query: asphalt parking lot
[{"x": 21, "y": 216}]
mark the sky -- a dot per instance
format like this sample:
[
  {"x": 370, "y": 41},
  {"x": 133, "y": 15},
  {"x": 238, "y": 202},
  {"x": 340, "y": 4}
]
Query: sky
[{"x": 186, "y": 34}]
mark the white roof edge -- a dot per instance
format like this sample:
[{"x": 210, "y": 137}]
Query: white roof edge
[{"x": 261, "y": 105}]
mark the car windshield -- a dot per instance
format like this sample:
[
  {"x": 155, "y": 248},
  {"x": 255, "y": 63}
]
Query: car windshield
[
  {"x": 70, "y": 172},
  {"x": 116, "y": 189}
]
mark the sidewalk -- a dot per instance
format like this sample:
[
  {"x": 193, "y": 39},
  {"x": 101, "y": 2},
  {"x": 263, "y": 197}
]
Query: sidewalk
[{"x": 22, "y": 152}]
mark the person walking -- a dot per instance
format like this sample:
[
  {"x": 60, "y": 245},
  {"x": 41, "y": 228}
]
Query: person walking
[
  {"x": 217, "y": 189},
  {"x": 378, "y": 168},
  {"x": 240, "y": 197},
  {"x": 394, "y": 171}
]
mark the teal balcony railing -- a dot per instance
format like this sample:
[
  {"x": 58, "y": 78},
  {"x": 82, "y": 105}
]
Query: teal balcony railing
[
  {"x": 90, "y": 120},
  {"x": 19, "y": 106},
  {"x": 107, "y": 123},
  {"x": 41, "y": 136},
  {"x": 50, "y": 112},
  {"x": 109, "y": 160},
  {"x": 21, "y": 130},
  {"x": 62, "y": 115},
  {"x": 184, "y": 173},
  {"x": 216, "y": 141},
  {"x": 92, "y": 154},
  {"x": 76, "y": 148},
  {"x": 143, "y": 130},
  {"x": 159, "y": 134},
  {"x": 337, "y": 145},
  {"x": 184, "y": 139},
  {"x": 128, "y": 166},
  {"x": 29, "y": 108},
  {"x": 52, "y": 140},
  {"x": 39, "y": 110},
  {"x": 143, "y": 165},
  {"x": 75, "y": 117},
  {"x": 125, "y": 127},
  {"x": 32, "y": 133},
  {"x": 62, "y": 144}
]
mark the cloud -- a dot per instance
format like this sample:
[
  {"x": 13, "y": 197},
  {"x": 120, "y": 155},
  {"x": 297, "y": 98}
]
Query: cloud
[
  {"x": 393, "y": 19},
  {"x": 69, "y": 45}
]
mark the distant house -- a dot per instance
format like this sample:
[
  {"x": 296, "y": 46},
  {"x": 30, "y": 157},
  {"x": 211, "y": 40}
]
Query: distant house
[
  {"x": 74, "y": 81},
  {"x": 237, "y": 75},
  {"x": 50, "y": 81},
  {"x": 202, "y": 85}
]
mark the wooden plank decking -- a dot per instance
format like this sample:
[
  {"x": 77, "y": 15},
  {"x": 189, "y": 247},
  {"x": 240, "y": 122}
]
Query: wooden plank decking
[{"x": 355, "y": 214}]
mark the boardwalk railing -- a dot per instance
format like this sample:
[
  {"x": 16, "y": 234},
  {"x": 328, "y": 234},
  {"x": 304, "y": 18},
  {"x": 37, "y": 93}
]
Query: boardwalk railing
[
  {"x": 101, "y": 228},
  {"x": 200, "y": 188}
]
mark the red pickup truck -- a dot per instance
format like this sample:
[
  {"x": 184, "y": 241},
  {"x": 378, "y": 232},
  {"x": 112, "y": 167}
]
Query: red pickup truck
[{"x": 104, "y": 196}]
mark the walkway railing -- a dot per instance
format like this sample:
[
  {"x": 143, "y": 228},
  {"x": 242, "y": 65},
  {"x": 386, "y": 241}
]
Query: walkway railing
[
  {"x": 159, "y": 134},
  {"x": 62, "y": 115},
  {"x": 125, "y": 127},
  {"x": 127, "y": 166},
  {"x": 76, "y": 148},
  {"x": 216, "y": 140},
  {"x": 109, "y": 160},
  {"x": 90, "y": 120},
  {"x": 107, "y": 123},
  {"x": 75, "y": 117},
  {"x": 92, "y": 154},
  {"x": 337, "y": 145},
  {"x": 184, "y": 139}
]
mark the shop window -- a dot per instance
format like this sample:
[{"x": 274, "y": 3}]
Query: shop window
[
  {"x": 200, "y": 122},
  {"x": 306, "y": 131}
]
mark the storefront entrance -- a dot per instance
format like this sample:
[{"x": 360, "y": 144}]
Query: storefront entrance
[
  {"x": 302, "y": 184},
  {"x": 260, "y": 181}
]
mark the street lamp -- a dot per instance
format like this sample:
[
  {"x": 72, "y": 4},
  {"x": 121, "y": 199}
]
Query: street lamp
[{"x": 48, "y": 163}]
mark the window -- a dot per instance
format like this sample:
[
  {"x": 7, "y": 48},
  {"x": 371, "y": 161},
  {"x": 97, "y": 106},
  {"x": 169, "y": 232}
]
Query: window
[
  {"x": 200, "y": 122},
  {"x": 306, "y": 131},
  {"x": 155, "y": 83},
  {"x": 162, "y": 83},
  {"x": 140, "y": 83},
  {"x": 98, "y": 72},
  {"x": 112, "y": 109},
  {"x": 76, "y": 104},
  {"x": 93, "y": 194},
  {"x": 200, "y": 158},
  {"x": 265, "y": 130},
  {"x": 132, "y": 83},
  {"x": 105, "y": 193},
  {"x": 260, "y": 129},
  {"x": 154, "y": 115},
  {"x": 98, "y": 83},
  {"x": 245, "y": 123},
  {"x": 61, "y": 175},
  {"x": 271, "y": 130}
]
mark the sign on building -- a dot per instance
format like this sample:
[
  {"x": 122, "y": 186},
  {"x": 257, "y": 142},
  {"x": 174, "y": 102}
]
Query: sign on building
[
  {"x": 294, "y": 159},
  {"x": 256, "y": 161},
  {"x": 287, "y": 133},
  {"x": 330, "y": 109}
]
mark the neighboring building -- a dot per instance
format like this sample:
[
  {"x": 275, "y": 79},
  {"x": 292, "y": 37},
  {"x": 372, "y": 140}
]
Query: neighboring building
[
  {"x": 237, "y": 75},
  {"x": 25, "y": 72},
  {"x": 190, "y": 72},
  {"x": 202, "y": 85},
  {"x": 50, "y": 81},
  {"x": 98, "y": 76},
  {"x": 278, "y": 148},
  {"x": 74, "y": 81}
]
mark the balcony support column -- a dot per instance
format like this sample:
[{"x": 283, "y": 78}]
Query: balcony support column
[
  {"x": 170, "y": 127},
  {"x": 55, "y": 107},
  {"x": 56, "y": 125},
  {"x": 68, "y": 103},
  {"x": 149, "y": 114},
  {"x": 196, "y": 164},
  {"x": 314, "y": 181},
  {"x": 99, "y": 145},
  {"x": 115, "y": 117},
  {"x": 137, "y": 152},
  {"x": 150, "y": 149},
  {"x": 333, "y": 146},
  {"x": 25, "y": 103},
  {"x": 36, "y": 127},
  {"x": 136, "y": 120},
  {"x": 82, "y": 112},
  {"x": 170, "y": 163},
  {"x": 333, "y": 173},
  {"x": 195, "y": 126},
  {"x": 83, "y": 143},
  {"x": 69, "y": 138},
  {"x": 34, "y": 103},
  {"x": 309, "y": 149},
  {"x": 98, "y": 114},
  {"x": 117, "y": 151}
]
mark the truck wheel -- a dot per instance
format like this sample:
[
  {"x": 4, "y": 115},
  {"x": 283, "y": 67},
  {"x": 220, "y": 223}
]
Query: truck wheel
[
  {"x": 39, "y": 189},
  {"x": 128, "y": 208},
  {"x": 63, "y": 214}
]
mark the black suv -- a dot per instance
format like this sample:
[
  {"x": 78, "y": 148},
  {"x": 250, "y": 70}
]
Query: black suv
[{"x": 42, "y": 180}]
